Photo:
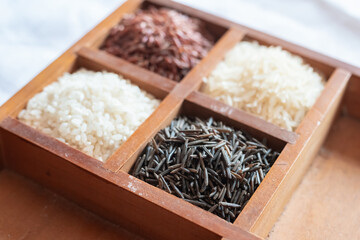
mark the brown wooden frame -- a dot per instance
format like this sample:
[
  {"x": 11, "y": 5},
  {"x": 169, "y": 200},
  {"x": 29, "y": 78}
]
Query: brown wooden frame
[{"x": 110, "y": 191}]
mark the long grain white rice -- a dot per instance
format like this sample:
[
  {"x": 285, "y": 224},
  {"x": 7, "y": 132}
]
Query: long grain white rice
[
  {"x": 266, "y": 81},
  {"x": 94, "y": 112}
]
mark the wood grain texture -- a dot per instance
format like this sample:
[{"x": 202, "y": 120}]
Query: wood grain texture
[
  {"x": 151, "y": 82},
  {"x": 126, "y": 155},
  {"x": 326, "y": 203},
  {"x": 121, "y": 198},
  {"x": 110, "y": 192},
  {"x": 352, "y": 98},
  {"x": 1, "y": 157},
  {"x": 268, "y": 201},
  {"x": 28, "y": 211},
  {"x": 251, "y": 123}
]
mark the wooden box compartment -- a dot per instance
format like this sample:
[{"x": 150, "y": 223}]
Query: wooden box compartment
[{"x": 108, "y": 190}]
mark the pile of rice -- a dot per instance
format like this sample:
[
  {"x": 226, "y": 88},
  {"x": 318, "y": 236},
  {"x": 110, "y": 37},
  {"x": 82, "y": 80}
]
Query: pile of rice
[
  {"x": 266, "y": 81},
  {"x": 94, "y": 112}
]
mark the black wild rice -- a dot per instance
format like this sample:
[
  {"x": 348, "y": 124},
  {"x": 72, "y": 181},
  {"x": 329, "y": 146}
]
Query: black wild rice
[{"x": 206, "y": 163}]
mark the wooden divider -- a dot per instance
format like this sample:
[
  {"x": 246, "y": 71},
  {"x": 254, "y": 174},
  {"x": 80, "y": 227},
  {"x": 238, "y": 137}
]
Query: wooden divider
[
  {"x": 129, "y": 150},
  {"x": 268, "y": 201},
  {"x": 314, "y": 57},
  {"x": 110, "y": 191},
  {"x": 169, "y": 108},
  {"x": 352, "y": 100},
  {"x": 193, "y": 80},
  {"x": 145, "y": 79},
  {"x": 119, "y": 197},
  {"x": 251, "y": 123}
]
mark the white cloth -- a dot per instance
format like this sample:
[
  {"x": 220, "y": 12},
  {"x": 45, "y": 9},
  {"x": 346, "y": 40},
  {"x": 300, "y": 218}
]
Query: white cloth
[{"x": 34, "y": 33}]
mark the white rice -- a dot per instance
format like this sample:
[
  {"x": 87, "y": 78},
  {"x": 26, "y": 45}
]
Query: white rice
[
  {"x": 266, "y": 81},
  {"x": 94, "y": 112}
]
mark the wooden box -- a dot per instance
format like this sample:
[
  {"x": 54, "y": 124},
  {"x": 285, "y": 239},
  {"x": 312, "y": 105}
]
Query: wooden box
[{"x": 109, "y": 191}]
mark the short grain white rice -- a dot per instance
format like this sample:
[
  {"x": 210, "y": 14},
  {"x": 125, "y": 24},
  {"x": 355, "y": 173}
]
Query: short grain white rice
[
  {"x": 266, "y": 81},
  {"x": 94, "y": 112}
]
